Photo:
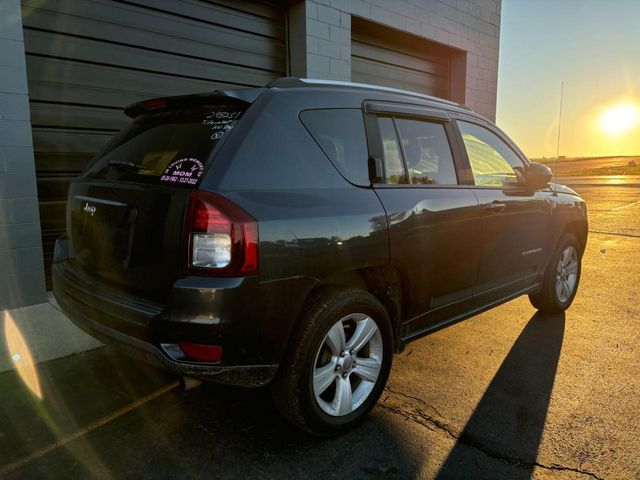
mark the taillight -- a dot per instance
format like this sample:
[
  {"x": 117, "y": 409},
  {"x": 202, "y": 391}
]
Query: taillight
[
  {"x": 220, "y": 237},
  {"x": 202, "y": 353}
]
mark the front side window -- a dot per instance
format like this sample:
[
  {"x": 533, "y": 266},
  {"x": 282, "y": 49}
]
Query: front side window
[
  {"x": 493, "y": 163},
  {"x": 427, "y": 152}
]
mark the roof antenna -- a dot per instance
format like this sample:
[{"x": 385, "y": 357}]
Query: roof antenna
[{"x": 558, "y": 143}]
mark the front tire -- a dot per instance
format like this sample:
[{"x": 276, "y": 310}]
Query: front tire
[
  {"x": 561, "y": 278},
  {"x": 337, "y": 364}
]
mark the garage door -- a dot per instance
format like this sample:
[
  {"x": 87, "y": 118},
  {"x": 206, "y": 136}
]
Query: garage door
[
  {"x": 384, "y": 56},
  {"x": 87, "y": 59}
]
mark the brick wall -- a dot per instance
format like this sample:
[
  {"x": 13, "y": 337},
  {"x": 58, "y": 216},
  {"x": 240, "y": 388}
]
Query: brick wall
[
  {"x": 21, "y": 267},
  {"x": 469, "y": 25}
]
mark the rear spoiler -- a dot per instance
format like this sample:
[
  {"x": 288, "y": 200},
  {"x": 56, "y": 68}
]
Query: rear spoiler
[{"x": 244, "y": 96}]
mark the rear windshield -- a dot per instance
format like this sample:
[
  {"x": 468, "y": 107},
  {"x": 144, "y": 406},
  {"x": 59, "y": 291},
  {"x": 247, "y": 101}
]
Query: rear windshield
[{"x": 171, "y": 147}]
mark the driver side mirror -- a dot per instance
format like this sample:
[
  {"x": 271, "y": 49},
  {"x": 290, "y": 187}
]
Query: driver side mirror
[{"x": 537, "y": 176}]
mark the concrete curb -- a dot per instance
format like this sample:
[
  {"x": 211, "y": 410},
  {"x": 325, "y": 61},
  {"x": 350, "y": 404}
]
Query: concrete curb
[{"x": 37, "y": 333}]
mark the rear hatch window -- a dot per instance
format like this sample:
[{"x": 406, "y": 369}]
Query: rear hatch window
[{"x": 171, "y": 147}]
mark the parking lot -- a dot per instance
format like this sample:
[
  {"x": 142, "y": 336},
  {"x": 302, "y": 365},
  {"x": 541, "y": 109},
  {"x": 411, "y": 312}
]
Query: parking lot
[{"x": 507, "y": 394}]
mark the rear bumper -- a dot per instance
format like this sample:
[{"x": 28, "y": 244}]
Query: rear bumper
[
  {"x": 250, "y": 321},
  {"x": 241, "y": 375}
]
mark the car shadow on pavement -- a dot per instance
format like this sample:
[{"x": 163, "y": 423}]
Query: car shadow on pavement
[
  {"x": 103, "y": 416},
  {"x": 508, "y": 422}
]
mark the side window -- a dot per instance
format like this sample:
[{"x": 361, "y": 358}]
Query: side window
[
  {"x": 427, "y": 152},
  {"x": 340, "y": 134},
  {"x": 392, "y": 157},
  {"x": 493, "y": 163}
]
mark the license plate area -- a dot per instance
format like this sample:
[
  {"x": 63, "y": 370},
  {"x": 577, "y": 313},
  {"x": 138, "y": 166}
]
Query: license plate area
[{"x": 103, "y": 231}]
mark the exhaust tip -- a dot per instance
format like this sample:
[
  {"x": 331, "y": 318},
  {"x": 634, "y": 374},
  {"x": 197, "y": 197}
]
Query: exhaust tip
[{"x": 189, "y": 383}]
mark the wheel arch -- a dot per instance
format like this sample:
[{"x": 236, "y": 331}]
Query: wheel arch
[
  {"x": 384, "y": 282},
  {"x": 578, "y": 228}
]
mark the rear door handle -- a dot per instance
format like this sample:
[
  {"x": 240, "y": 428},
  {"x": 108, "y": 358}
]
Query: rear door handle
[{"x": 495, "y": 207}]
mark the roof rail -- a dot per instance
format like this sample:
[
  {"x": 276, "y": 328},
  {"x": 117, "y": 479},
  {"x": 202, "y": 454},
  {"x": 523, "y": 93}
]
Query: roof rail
[{"x": 299, "y": 82}]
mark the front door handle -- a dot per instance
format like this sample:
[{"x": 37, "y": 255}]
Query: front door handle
[{"x": 495, "y": 207}]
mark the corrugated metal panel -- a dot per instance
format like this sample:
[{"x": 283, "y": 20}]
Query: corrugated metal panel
[
  {"x": 87, "y": 59},
  {"x": 383, "y": 56}
]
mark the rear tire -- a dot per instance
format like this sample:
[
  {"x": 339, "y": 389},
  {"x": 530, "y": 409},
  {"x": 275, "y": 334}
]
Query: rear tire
[
  {"x": 561, "y": 278},
  {"x": 337, "y": 363}
]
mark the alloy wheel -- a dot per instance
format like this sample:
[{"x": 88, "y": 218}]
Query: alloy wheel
[
  {"x": 567, "y": 274},
  {"x": 347, "y": 364}
]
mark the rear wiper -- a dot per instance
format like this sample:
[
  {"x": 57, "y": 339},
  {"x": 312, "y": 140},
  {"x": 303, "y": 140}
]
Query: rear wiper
[{"x": 122, "y": 164}]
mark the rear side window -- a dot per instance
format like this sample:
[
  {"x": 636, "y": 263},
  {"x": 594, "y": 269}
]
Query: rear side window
[
  {"x": 170, "y": 147},
  {"x": 427, "y": 152},
  {"x": 393, "y": 165},
  {"x": 340, "y": 134}
]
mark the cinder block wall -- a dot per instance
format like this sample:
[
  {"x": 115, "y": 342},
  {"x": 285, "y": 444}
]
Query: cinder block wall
[
  {"x": 21, "y": 265},
  {"x": 469, "y": 25}
]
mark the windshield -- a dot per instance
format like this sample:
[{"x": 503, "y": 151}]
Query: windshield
[{"x": 171, "y": 147}]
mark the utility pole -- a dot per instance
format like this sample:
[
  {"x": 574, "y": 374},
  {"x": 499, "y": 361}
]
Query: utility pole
[{"x": 558, "y": 143}]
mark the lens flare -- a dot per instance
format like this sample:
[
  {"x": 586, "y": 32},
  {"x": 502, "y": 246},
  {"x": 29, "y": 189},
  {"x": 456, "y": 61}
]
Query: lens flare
[
  {"x": 619, "y": 119},
  {"x": 21, "y": 355}
]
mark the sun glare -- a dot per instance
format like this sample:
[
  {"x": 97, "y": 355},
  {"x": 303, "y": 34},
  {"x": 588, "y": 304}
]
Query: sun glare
[
  {"x": 618, "y": 119},
  {"x": 21, "y": 355}
]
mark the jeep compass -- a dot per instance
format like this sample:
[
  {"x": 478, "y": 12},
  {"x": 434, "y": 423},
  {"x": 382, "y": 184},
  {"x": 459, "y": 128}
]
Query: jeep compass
[{"x": 299, "y": 234}]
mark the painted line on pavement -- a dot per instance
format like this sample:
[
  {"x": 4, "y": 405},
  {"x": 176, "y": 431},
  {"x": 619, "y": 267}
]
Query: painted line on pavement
[
  {"x": 600, "y": 232},
  {"x": 83, "y": 431},
  {"x": 625, "y": 206}
]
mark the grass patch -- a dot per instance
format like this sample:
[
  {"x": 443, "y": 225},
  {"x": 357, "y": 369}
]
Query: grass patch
[{"x": 609, "y": 170}]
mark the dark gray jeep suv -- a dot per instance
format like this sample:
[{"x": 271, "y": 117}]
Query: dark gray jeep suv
[{"x": 299, "y": 234}]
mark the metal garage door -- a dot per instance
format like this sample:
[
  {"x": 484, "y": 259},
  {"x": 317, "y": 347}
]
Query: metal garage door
[
  {"x": 388, "y": 57},
  {"x": 87, "y": 59}
]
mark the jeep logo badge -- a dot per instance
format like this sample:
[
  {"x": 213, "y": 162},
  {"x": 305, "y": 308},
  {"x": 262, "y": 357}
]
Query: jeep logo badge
[{"x": 89, "y": 209}]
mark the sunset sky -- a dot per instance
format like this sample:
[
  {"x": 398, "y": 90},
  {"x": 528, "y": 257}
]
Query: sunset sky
[{"x": 594, "y": 46}]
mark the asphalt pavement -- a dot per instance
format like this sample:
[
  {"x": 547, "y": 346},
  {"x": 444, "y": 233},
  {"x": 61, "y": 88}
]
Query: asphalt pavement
[{"x": 507, "y": 394}]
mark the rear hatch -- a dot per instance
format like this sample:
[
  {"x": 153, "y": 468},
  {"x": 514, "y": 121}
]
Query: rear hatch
[{"x": 125, "y": 212}]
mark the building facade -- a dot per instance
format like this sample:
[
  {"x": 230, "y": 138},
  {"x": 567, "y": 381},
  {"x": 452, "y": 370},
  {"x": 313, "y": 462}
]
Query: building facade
[{"x": 68, "y": 67}]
